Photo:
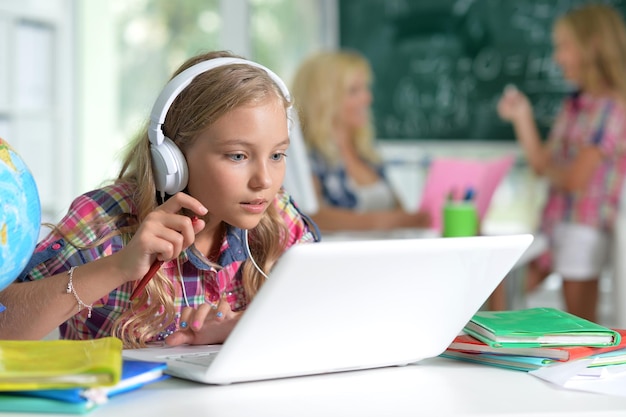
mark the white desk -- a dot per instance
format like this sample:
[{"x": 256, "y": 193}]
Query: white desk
[{"x": 433, "y": 387}]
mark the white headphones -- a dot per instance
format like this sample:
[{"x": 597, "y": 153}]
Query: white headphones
[{"x": 168, "y": 162}]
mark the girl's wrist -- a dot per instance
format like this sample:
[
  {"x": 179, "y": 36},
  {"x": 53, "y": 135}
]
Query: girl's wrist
[
  {"x": 117, "y": 269},
  {"x": 523, "y": 116}
]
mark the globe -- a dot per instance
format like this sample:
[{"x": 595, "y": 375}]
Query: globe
[{"x": 20, "y": 214}]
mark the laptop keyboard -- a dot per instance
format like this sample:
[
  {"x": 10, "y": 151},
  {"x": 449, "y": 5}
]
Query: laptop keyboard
[{"x": 204, "y": 358}]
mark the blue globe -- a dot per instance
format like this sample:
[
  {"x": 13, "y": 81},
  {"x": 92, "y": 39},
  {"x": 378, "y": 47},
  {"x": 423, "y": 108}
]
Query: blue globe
[{"x": 20, "y": 214}]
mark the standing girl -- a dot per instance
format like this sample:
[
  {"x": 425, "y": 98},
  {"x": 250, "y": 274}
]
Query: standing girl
[{"x": 584, "y": 158}]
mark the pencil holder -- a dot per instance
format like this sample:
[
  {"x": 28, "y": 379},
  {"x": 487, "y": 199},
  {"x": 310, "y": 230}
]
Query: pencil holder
[{"x": 460, "y": 219}]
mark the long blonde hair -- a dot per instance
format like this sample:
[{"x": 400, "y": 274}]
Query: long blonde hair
[
  {"x": 600, "y": 33},
  {"x": 319, "y": 88},
  {"x": 207, "y": 98}
]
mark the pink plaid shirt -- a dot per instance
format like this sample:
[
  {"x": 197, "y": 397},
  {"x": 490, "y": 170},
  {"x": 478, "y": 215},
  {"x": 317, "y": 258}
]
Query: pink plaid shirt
[
  {"x": 588, "y": 121},
  {"x": 202, "y": 283}
]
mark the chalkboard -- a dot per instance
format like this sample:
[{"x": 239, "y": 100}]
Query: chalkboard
[{"x": 440, "y": 65}]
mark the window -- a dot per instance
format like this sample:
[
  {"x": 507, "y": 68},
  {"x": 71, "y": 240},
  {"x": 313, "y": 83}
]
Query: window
[
  {"x": 36, "y": 109},
  {"x": 284, "y": 32},
  {"x": 153, "y": 37}
]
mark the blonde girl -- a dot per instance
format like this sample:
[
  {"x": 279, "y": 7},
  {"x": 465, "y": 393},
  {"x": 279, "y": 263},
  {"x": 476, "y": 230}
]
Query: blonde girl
[{"x": 217, "y": 238}]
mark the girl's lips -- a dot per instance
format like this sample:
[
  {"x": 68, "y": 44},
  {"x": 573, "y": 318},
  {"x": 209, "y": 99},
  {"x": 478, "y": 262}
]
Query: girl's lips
[
  {"x": 254, "y": 206},
  {"x": 256, "y": 202}
]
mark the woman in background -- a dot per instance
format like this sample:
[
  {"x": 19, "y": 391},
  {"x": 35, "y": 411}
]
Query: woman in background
[
  {"x": 584, "y": 157},
  {"x": 332, "y": 94}
]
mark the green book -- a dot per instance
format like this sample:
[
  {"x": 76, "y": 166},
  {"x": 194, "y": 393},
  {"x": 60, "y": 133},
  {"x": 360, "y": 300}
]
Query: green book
[{"x": 534, "y": 327}]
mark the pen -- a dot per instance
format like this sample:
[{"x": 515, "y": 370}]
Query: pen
[
  {"x": 146, "y": 278},
  {"x": 151, "y": 272},
  {"x": 469, "y": 194}
]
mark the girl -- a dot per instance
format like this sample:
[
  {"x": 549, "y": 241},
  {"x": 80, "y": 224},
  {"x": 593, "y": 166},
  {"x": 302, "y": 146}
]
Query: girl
[
  {"x": 187, "y": 194},
  {"x": 333, "y": 98},
  {"x": 583, "y": 158}
]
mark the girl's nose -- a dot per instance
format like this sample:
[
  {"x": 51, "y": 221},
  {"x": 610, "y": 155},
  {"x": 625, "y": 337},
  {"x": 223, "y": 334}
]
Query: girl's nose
[{"x": 261, "y": 177}]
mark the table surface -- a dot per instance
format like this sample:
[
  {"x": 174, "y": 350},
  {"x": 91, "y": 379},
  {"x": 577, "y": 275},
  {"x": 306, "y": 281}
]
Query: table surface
[{"x": 432, "y": 387}]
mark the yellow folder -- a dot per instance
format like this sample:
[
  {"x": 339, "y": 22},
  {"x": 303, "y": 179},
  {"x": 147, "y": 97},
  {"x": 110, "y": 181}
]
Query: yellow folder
[{"x": 45, "y": 364}]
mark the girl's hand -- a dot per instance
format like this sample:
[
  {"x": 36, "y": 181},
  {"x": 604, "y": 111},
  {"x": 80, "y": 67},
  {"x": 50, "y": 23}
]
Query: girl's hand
[
  {"x": 205, "y": 325},
  {"x": 514, "y": 106},
  {"x": 162, "y": 235}
]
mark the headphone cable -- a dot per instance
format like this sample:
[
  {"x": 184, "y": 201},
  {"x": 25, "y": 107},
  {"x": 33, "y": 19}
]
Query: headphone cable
[{"x": 245, "y": 242}]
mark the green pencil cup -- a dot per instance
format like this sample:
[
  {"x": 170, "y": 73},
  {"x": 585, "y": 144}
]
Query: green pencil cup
[{"x": 460, "y": 219}]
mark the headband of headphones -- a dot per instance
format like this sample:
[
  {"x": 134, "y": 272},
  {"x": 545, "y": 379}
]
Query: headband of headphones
[{"x": 182, "y": 80}]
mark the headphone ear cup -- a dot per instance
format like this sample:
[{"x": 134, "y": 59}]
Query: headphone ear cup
[{"x": 169, "y": 167}]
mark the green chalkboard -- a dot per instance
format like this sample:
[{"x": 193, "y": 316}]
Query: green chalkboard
[{"x": 440, "y": 65}]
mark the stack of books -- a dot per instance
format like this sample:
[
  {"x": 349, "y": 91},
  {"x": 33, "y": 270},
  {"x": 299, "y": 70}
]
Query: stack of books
[
  {"x": 532, "y": 338},
  {"x": 68, "y": 376}
]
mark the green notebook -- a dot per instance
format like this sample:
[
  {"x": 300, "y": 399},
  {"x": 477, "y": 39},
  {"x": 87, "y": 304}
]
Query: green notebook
[{"x": 535, "y": 327}]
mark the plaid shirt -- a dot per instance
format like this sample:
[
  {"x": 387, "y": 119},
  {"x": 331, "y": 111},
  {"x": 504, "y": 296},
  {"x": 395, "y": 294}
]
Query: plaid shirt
[
  {"x": 202, "y": 283},
  {"x": 588, "y": 121}
]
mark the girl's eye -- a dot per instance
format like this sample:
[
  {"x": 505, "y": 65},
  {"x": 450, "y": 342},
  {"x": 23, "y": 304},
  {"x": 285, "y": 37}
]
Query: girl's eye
[
  {"x": 237, "y": 157},
  {"x": 278, "y": 156}
]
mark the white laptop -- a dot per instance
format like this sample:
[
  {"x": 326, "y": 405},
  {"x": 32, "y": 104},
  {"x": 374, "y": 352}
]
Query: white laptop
[{"x": 341, "y": 306}]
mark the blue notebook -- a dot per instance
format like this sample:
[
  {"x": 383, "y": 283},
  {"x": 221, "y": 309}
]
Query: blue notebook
[
  {"x": 19, "y": 403},
  {"x": 517, "y": 363},
  {"x": 135, "y": 374}
]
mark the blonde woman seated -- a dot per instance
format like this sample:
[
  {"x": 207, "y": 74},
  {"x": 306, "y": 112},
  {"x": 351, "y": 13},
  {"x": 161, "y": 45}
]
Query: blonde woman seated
[{"x": 332, "y": 94}]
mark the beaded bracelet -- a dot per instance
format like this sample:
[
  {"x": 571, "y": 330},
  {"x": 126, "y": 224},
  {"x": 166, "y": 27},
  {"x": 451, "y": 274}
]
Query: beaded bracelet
[{"x": 71, "y": 290}]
